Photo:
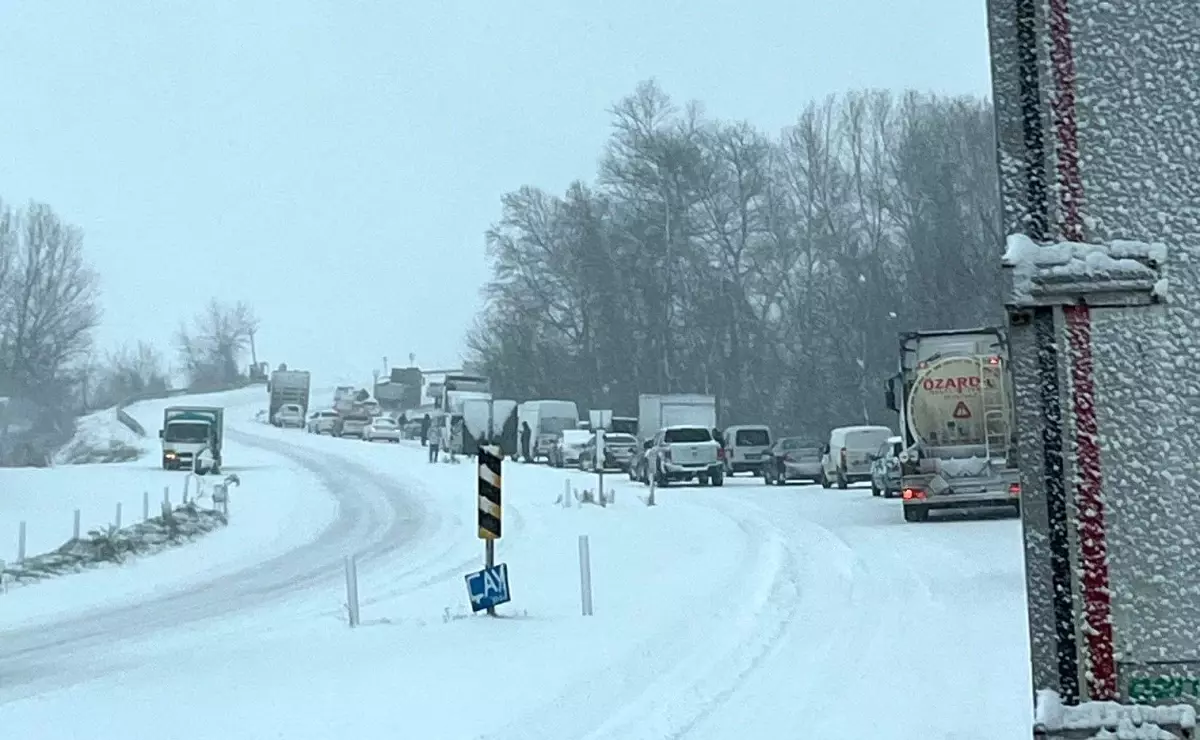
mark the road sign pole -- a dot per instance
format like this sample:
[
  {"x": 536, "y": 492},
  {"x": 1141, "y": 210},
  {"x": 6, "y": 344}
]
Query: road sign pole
[{"x": 489, "y": 562}]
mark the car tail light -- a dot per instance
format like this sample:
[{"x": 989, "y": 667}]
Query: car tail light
[
  {"x": 913, "y": 493},
  {"x": 720, "y": 453},
  {"x": 1014, "y": 489}
]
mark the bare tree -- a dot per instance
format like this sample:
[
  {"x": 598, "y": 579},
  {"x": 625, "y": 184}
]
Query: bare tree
[
  {"x": 213, "y": 347},
  {"x": 773, "y": 274},
  {"x": 48, "y": 309}
]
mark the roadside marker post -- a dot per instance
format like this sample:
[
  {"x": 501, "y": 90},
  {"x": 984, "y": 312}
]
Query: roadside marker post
[{"x": 490, "y": 459}]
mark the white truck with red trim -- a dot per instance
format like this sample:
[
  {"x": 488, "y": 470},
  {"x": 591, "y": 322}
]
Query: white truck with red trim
[
  {"x": 956, "y": 413},
  {"x": 1098, "y": 156}
]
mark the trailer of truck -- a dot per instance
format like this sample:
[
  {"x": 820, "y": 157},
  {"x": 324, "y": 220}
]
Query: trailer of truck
[
  {"x": 189, "y": 430},
  {"x": 656, "y": 411},
  {"x": 956, "y": 415},
  {"x": 1094, "y": 104},
  {"x": 288, "y": 386},
  {"x": 546, "y": 419}
]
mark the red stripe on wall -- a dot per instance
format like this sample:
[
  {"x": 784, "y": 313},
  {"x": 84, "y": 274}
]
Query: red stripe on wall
[{"x": 1101, "y": 673}]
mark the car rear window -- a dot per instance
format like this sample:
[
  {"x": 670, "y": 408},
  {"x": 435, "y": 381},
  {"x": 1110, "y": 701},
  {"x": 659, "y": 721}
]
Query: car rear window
[
  {"x": 753, "y": 437},
  {"x": 867, "y": 440},
  {"x": 621, "y": 439},
  {"x": 690, "y": 434}
]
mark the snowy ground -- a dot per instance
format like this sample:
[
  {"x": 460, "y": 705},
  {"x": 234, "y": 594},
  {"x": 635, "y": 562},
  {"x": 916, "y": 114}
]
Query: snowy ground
[{"x": 739, "y": 612}]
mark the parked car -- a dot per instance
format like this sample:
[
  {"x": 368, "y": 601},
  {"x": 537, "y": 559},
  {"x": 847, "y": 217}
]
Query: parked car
[
  {"x": 323, "y": 422},
  {"x": 353, "y": 425},
  {"x": 637, "y": 463},
  {"x": 846, "y": 457},
  {"x": 381, "y": 428},
  {"x": 568, "y": 446},
  {"x": 885, "y": 468},
  {"x": 618, "y": 451},
  {"x": 793, "y": 458},
  {"x": 747, "y": 448},
  {"x": 289, "y": 415},
  {"x": 685, "y": 453}
]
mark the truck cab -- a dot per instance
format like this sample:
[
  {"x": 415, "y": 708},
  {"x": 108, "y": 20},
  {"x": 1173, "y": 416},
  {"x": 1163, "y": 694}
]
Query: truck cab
[{"x": 186, "y": 432}]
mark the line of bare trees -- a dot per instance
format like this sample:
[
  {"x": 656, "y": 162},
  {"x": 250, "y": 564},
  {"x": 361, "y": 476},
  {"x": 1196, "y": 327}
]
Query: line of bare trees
[
  {"x": 49, "y": 309},
  {"x": 772, "y": 272}
]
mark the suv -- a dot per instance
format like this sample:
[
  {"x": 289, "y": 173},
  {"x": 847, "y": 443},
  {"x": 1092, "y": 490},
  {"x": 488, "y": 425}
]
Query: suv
[
  {"x": 289, "y": 415},
  {"x": 323, "y": 422},
  {"x": 885, "y": 468},
  {"x": 685, "y": 453}
]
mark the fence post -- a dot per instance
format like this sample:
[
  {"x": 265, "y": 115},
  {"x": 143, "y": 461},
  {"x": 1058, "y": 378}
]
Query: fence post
[
  {"x": 352, "y": 590},
  {"x": 567, "y": 493},
  {"x": 167, "y": 497},
  {"x": 21, "y": 544},
  {"x": 75, "y": 527},
  {"x": 585, "y": 575},
  {"x": 117, "y": 521},
  {"x": 145, "y": 506}
]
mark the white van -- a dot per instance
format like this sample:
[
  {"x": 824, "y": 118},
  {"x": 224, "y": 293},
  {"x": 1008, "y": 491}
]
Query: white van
[
  {"x": 846, "y": 458},
  {"x": 747, "y": 448}
]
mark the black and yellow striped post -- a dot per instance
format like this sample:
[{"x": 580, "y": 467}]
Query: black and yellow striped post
[{"x": 490, "y": 458}]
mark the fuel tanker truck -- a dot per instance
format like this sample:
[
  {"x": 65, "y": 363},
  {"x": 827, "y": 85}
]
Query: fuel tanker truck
[
  {"x": 954, "y": 398},
  {"x": 1096, "y": 107}
]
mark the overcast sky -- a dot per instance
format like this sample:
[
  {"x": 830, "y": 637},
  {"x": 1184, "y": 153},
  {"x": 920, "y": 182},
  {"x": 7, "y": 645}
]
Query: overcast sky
[{"x": 335, "y": 163}]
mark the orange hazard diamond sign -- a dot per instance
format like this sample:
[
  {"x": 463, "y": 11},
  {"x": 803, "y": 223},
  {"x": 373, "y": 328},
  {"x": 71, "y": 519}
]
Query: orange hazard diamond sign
[{"x": 961, "y": 411}]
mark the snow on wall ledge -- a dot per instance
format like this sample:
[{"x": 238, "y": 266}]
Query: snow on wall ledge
[
  {"x": 1107, "y": 719},
  {"x": 1118, "y": 269}
]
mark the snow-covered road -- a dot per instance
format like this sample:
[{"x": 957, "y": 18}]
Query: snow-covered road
[{"x": 747, "y": 611}]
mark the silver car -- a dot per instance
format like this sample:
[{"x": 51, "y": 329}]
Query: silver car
[
  {"x": 793, "y": 458},
  {"x": 381, "y": 428},
  {"x": 353, "y": 425}
]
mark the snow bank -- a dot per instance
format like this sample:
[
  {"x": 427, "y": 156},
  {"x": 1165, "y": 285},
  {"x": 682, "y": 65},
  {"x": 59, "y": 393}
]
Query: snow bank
[
  {"x": 1111, "y": 720},
  {"x": 100, "y": 437},
  {"x": 180, "y": 525},
  {"x": 1118, "y": 266}
]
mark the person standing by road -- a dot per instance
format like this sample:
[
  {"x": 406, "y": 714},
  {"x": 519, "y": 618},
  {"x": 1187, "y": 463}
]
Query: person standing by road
[
  {"x": 432, "y": 433},
  {"x": 526, "y": 437}
]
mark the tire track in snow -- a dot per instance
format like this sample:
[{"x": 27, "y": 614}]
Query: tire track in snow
[
  {"x": 673, "y": 679},
  {"x": 377, "y": 519}
]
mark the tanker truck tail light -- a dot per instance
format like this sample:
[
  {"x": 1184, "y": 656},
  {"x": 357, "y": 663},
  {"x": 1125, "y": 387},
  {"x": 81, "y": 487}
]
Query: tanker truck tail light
[
  {"x": 1014, "y": 489},
  {"x": 914, "y": 494}
]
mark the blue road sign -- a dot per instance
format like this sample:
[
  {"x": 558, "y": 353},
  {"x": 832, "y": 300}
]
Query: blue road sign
[{"x": 488, "y": 587}]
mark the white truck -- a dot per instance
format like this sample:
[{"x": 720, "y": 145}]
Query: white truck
[
  {"x": 546, "y": 419},
  {"x": 288, "y": 386},
  {"x": 454, "y": 392},
  {"x": 956, "y": 416},
  {"x": 189, "y": 430},
  {"x": 656, "y": 411}
]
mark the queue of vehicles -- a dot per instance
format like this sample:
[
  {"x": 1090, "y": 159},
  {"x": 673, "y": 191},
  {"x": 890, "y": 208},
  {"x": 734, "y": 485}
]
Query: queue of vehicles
[{"x": 952, "y": 395}]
